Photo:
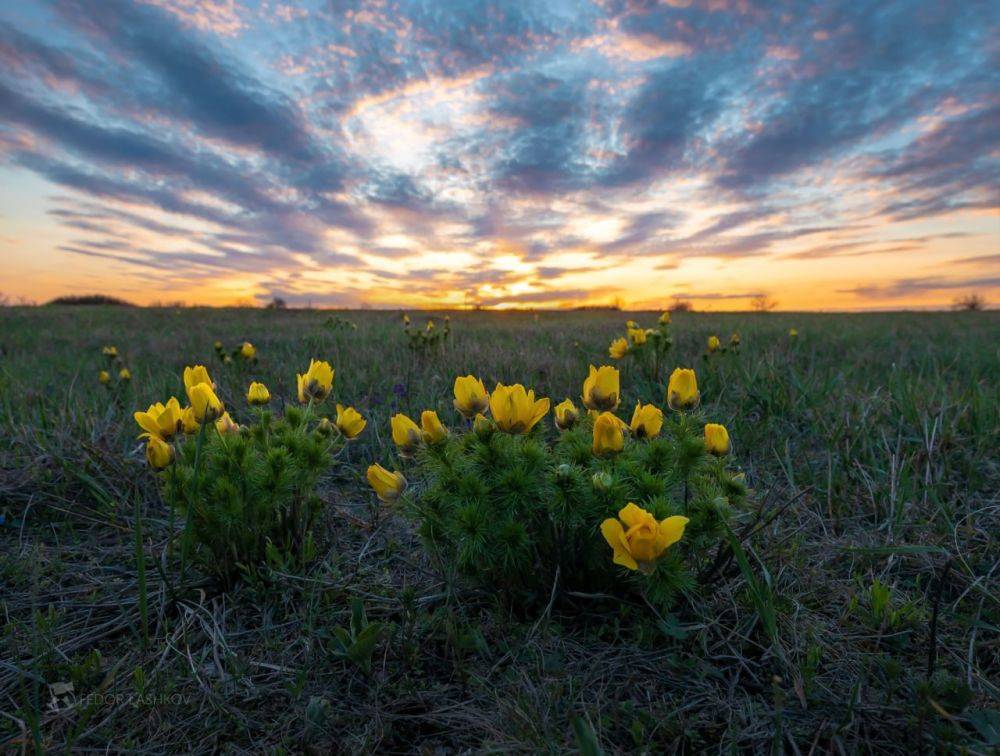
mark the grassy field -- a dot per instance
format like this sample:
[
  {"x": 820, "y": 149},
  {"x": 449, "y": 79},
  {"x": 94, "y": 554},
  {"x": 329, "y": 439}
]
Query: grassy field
[{"x": 869, "y": 444}]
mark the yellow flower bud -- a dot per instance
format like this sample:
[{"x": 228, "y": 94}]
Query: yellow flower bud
[
  {"x": 225, "y": 424},
  {"x": 388, "y": 485},
  {"x": 350, "y": 423},
  {"x": 195, "y": 375},
  {"x": 204, "y": 403},
  {"x": 631, "y": 325},
  {"x": 716, "y": 439},
  {"x": 664, "y": 319},
  {"x": 713, "y": 343},
  {"x": 406, "y": 434},
  {"x": 159, "y": 453},
  {"x": 434, "y": 431},
  {"x": 793, "y": 333},
  {"x": 248, "y": 351},
  {"x": 124, "y": 375},
  {"x": 646, "y": 421},
  {"x": 601, "y": 389},
  {"x": 218, "y": 346},
  {"x": 104, "y": 377},
  {"x": 566, "y": 415},
  {"x": 325, "y": 427},
  {"x": 637, "y": 335},
  {"x": 638, "y": 540},
  {"x": 734, "y": 340},
  {"x": 160, "y": 420},
  {"x": 682, "y": 390},
  {"x": 482, "y": 425},
  {"x": 515, "y": 410},
  {"x": 470, "y": 396},
  {"x": 111, "y": 352},
  {"x": 609, "y": 436},
  {"x": 316, "y": 383},
  {"x": 258, "y": 395},
  {"x": 618, "y": 348}
]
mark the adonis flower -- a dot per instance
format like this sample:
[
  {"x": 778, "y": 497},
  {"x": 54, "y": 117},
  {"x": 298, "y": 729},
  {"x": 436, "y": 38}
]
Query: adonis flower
[
  {"x": 638, "y": 540},
  {"x": 566, "y": 415},
  {"x": 515, "y": 410},
  {"x": 350, "y": 423},
  {"x": 160, "y": 420},
  {"x": 434, "y": 431},
  {"x": 388, "y": 485},
  {"x": 609, "y": 436},
  {"x": 406, "y": 434},
  {"x": 316, "y": 383},
  {"x": 713, "y": 343},
  {"x": 618, "y": 348},
  {"x": 258, "y": 395},
  {"x": 159, "y": 453},
  {"x": 646, "y": 420},
  {"x": 716, "y": 439},
  {"x": 601, "y": 390},
  {"x": 682, "y": 390},
  {"x": 470, "y": 396}
]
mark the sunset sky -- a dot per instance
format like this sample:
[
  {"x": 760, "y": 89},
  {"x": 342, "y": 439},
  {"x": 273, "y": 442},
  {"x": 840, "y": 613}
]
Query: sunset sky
[{"x": 438, "y": 153}]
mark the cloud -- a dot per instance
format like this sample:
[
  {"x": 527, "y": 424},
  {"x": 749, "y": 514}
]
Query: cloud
[{"x": 905, "y": 287}]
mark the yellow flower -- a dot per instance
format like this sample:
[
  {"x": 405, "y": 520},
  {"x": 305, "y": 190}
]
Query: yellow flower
[
  {"x": 601, "y": 390},
  {"x": 430, "y": 326},
  {"x": 638, "y": 540},
  {"x": 159, "y": 453},
  {"x": 160, "y": 420},
  {"x": 104, "y": 377},
  {"x": 406, "y": 319},
  {"x": 618, "y": 348},
  {"x": 188, "y": 421},
  {"x": 248, "y": 350},
  {"x": 735, "y": 339},
  {"x": 111, "y": 352},
  {"x": 664, "y": 319},
  {"x": 316, "y": 383},
  {"x": 406, "y": 434},
  {"x": 716, "y": 439},
  {"x": 682, "y": 391},
  {"x": 204, "y": 403},
  {"x": 516, "y": 410},
  {"x": 195, "y": 375},
  {"x": 566, "y": 415},
  {"x": 225, "y": 424},
  {"x": 433, "y": 430},
  {"x": 388, "y": 485},
  {"x": 218, "y": 346},
  {"x": 609, "y": 436},
  {"x": 638, "y": 336},
  {"x": 646, "y": 421},
  {"x": 124, "y": 375},
  {"x": 713, "y": 343},
  {"x": 258, "y": 395},
  {"x": 793, "y": 332},
  {"x": 350, "y": 423},
  {"x": 470, "y": 396},
  {"x": 631, "y": 325}
]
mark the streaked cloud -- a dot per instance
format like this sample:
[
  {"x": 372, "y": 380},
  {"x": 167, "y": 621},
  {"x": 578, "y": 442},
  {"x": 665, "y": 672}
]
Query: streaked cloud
[{"x": 502, "y": 153}]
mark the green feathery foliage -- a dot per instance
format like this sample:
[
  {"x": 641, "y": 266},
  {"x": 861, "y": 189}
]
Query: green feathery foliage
[{"x": 509, "y": 511}]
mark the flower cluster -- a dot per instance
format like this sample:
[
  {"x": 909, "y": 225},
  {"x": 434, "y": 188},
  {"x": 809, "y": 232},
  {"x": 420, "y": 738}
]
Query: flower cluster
[
  {"x": 647, "y": 346},
  {"x": 421, "y": 339},
  {"x": 244, "y": 352},
  {"x": 515, "y": 503},
  {"x": 116, "y": 367},
  {"x": 247, "y": 491}
]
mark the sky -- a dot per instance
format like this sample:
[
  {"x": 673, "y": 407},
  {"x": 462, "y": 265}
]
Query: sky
[{"x": 841, "y": 155}]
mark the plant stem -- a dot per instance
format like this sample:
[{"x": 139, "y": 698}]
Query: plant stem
[{"x": 195, "y": 485}]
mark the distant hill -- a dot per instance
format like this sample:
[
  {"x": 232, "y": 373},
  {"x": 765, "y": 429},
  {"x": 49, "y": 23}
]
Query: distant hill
[{"x": 91, "y": 299}]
